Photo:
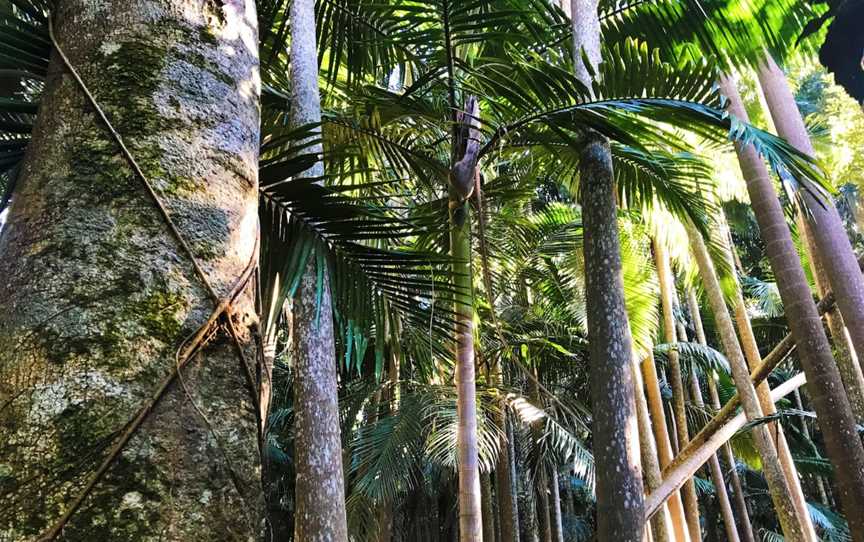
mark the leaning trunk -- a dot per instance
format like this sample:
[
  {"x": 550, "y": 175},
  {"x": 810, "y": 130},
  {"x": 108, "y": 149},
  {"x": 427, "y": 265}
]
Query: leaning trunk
[
  {"x": 98, "y": 295},
  {"x": 832, "y": 408},
  {"x": 794, "y": 526},
  {"x": 723, "y": 501},
  {"x": 320, "y": 489},
  {"x": 831, "y": 252},
  {"x": 616, "y": 439}
]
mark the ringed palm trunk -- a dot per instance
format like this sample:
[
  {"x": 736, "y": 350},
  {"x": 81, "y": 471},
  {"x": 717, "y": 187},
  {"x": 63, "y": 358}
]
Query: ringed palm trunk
[
  {"x": 823, "y": 379},
  {"x": 555, "y": 503},
  {"x": 619, "y": 484},
  {"x": 320, "y": 488},
  {"x": 794, "y": 526},
  {"x": 98, "y": 295},
  {"x": 470, "y": 502},
  {"x": 723, "y": 501},
  {"x": 667, "y": 293},
  {"x": 834, "y": 262}
]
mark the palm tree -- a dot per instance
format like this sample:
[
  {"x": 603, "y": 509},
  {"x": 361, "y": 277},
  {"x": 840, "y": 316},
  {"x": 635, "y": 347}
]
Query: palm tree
[
  {"x": 837, "y": 421},
  {"x": 320, "y": 493}
]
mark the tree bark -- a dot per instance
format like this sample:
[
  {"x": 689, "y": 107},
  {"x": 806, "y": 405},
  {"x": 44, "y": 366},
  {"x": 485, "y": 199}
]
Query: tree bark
[
  {"x": 465, "y": 165},
  {"x": 98, "y": 295},
  {"x": 833, "y": 249},
  {"x": 825, "y": 386},
  {"x": 320, "y": 488},
  {"x": 616, "y": 440},
  {"x": 508, "y": 514},
  {"x": 667, "y": 293},
  {"x": 794, "y": 526},
  {"x": 555, "y": 502},
  {"x": 486, "y": 507}
]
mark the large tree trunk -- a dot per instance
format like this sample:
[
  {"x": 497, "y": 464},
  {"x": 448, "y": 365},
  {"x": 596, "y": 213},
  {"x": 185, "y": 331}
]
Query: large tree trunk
[
  {"x": 723, "y": 501},
  {"x": 98, "y": 295},
  {"x": 794, "y": 526},
  {"x": 834, "y": 262},
  {"x": 667, "y": 294},
  {"x": 616, "y": 439},
  {"x": 832, "y": 407},
  {"x": 320, "y": 488}
]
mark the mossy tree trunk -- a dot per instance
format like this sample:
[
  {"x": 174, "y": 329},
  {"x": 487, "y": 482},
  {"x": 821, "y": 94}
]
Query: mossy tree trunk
[
  {"x": 823, "y": 379},
  {"x": 98, "y": 295},
  {"x": 320, "y": 488}
]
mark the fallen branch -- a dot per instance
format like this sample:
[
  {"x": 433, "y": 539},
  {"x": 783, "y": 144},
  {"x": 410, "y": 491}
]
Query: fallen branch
[{"x": 692, "y": 458}]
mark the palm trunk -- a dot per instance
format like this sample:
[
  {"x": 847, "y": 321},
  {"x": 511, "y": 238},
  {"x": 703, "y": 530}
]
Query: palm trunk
[
  {"x": 833, "y": 409},
  {"x": 320, "y": 488},
  {"x": 754, "y": 360},
  {"x": 833, "y": 249},
  {"x": 619, "y": 481},
  {"x": 555, "y": 508},
  {"x": 463, "y": 174},
  {"x": 794, "y": 526},
  {"x": 667, "y": 293},
  {"x": 723, "y": 501},
  {"x": 98, "y": 295},
  {"x": 486, "y": 507},
  {"x": 661, "y": 523},
  {"x": 831, "y": 255},
  {"x": 664, "y": 445},
  {"x": 508, "y": 514},
  {"x": 745, "y": 526}
]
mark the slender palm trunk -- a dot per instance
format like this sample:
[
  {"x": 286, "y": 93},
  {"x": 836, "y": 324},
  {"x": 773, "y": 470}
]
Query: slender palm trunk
[
  {"x": 463, "y": 174},
  {"x": 664, "y": 445},
  {"x": 763, "y": 392},
  {"x": 745, "y": 526},
  {"x": 486, "y": 507},
  {"x": 555, "y": 507},
  {"x": 508, "y": 513},
  {"x": 661, "y": 523},
  {"x": 794, "y": 527},
  {"x": 820, "y": 484},
  {"x": 97, "y": 294},
  {"x": 320, "y": 488},
  {"x": 723, "y": 501},
  {"x": 616, "y": 439},
  {"x": 833, "y": 409},
  {"x": 667, "y": 293}
]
